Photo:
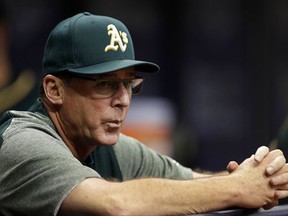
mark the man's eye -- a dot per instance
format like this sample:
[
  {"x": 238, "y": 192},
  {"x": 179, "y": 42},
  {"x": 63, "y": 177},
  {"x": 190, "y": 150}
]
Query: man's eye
[{"x": 103, "y": 84}]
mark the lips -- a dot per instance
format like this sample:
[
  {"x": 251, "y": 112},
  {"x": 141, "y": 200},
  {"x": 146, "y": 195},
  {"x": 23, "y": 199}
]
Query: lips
[{"x": 113, "y": 123}]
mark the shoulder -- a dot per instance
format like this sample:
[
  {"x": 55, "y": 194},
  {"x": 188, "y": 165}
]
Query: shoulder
[
  {"x": 28, "y": 137},
  {"x": 24, "y": 130},
  {"x": 16, "y": 121},
  {"x": 32, "y": 154}
]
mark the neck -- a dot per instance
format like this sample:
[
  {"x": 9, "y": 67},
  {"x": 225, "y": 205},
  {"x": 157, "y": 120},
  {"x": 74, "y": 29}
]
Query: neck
[{"x": 79, "y": 148}]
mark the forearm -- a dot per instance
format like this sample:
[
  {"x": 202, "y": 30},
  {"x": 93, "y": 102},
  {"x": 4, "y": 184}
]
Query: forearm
[
  {"x": 246, "y": 187},
  {"x": 168, "y": 197},
  {"x": 150, "y": 197}
]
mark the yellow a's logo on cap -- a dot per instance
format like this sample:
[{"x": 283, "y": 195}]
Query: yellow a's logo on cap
[{"x": 117, "y": 39}]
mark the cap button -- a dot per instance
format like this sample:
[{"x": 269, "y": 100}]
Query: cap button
[{"x": 87, "y": 13}]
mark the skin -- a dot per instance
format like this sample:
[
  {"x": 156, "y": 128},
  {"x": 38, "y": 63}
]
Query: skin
[
  {"x": 84, "y": 122},
  {"x": 80, "y": 117}
]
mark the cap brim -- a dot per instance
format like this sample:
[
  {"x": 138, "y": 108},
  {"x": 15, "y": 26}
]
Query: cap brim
[{"x": 106, "y": 67}]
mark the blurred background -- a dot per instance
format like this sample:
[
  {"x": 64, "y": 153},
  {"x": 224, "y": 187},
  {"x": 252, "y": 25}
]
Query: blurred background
[{"x": 221, "y": 91}]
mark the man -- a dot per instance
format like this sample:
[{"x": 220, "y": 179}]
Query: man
[{"x": 66, "y": 155}]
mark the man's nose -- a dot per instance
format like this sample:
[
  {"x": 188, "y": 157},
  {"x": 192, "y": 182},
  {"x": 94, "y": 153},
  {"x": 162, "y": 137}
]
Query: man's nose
[{"x": 122, "y": 97}]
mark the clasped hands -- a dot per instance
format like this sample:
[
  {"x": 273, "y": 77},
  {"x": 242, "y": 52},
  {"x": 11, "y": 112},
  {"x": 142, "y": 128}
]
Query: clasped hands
[{"x": 275, "y": 170}]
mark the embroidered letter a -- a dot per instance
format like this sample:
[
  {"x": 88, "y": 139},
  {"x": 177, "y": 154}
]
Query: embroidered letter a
[{"x": 118, "y": 39}]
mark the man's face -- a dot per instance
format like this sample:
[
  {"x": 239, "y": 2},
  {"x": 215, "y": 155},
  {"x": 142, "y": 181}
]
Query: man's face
[{"x": 88, "y": 117}]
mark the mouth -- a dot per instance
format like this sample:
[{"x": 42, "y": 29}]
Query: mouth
[{"x": 113, "y": 124}]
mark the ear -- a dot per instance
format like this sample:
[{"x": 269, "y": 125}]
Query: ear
[{"x": 53, "y": 88}]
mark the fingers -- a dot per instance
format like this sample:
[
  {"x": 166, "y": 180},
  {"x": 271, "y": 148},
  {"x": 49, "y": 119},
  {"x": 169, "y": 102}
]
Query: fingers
[
  {"x": 276, "y": 165},
  {"x": 281, "y": 194},
  {"x": 261, "y": 153},
  {"x": 232, "y": 165},
  {"x": 279, "y": 179}
]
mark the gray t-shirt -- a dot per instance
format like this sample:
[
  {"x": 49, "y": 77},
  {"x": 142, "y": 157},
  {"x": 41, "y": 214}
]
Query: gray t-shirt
[{"x": 37, "y": 169}]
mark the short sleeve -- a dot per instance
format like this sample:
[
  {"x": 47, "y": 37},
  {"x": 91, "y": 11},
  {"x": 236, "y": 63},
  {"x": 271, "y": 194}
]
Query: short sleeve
[
  {"x": 137, "y": 160},
  {"x": 37, "y": 172}
]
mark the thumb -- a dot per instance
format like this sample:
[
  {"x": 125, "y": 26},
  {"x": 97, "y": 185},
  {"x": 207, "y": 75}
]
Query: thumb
[{"x": 232, "y": 165}]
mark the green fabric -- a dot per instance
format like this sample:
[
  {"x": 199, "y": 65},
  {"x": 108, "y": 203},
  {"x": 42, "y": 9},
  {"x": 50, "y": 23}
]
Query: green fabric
[
  {"x": 91, "y": 44},
  {"x": 105, "y": 163}
]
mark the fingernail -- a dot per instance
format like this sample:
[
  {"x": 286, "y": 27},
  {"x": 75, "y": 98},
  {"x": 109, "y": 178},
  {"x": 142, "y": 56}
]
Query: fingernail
[{"x": 270, "y": 170}]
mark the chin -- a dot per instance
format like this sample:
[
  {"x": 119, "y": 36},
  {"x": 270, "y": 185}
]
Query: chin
[{"x": 110, "y": 139}]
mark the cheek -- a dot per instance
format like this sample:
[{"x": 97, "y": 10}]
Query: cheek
[
  {"x": 80, "y": 112},
  {"x": 93, "y": 113}
]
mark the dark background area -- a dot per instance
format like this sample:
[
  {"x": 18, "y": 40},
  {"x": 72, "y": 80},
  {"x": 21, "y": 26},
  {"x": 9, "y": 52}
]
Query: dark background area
[{"x": 224, "y": 65}]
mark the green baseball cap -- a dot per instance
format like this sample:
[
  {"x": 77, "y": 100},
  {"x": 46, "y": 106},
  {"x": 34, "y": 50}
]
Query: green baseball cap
[{"x": 91, "y": 44}]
